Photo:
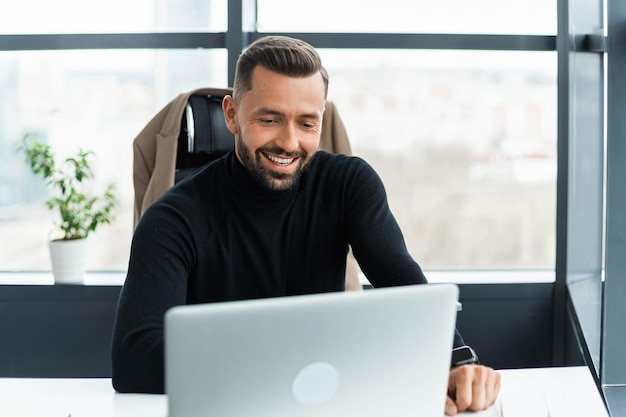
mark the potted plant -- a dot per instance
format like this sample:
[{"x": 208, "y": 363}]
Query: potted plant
[{"x": 79, "y": 213}]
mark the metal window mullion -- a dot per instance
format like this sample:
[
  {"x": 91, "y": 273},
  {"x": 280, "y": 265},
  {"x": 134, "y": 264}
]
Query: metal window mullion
[
  {"x": 421, "y": 41},
  {"x": 235, "y": 38},
  {"x": 44, "y": 42}
]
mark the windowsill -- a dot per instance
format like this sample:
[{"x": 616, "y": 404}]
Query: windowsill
[
  {"x": 116, "y": 278},
  {"x": 113, "y": 278},
  {"x": 485, "y": 277},
  {"x": 491, "y": 276}
]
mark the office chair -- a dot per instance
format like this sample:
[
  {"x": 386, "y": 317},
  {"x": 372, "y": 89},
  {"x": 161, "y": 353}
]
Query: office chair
[{"x": 189, "y": 132}]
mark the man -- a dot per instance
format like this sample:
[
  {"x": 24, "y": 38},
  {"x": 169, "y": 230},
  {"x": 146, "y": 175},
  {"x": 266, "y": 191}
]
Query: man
[{"x": 272, "y": 218}]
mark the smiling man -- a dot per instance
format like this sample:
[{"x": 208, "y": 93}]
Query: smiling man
[{"x": 274, "y": 217}]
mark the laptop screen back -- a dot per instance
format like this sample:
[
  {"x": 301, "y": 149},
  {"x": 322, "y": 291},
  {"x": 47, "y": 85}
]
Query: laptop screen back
[{"x": 382, "y": 352}]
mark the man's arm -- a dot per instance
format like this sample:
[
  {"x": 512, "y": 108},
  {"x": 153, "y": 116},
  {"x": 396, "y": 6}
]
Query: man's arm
[
  {"x": 156, "y": 281},
  {"x": 380, "y": 249},
  {"x": 375, "y": 236}
]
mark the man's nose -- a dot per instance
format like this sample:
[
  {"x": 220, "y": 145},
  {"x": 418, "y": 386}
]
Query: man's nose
[{"x": 288, "y": 139}]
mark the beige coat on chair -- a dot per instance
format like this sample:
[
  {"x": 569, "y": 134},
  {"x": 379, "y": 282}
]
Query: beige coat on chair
[{"x": 154, "y": 156}]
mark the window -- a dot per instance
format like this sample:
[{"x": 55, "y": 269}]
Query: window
[
  {"x": 97, "y": 100},
  {"x": 529, "y": 17},
  {"x": 464, "y": 140},
  {"x": 113, "y": 16},
  {"x": 466, "y": 145}
]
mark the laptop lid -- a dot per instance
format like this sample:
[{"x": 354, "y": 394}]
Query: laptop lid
[{"x": 382, "y": 352}]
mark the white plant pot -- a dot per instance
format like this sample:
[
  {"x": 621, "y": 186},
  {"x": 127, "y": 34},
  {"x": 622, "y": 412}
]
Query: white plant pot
[{"x": 68, "y": 260}]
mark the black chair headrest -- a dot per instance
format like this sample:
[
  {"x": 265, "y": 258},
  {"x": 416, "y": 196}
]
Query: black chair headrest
[{"x": 203, "y": 136}]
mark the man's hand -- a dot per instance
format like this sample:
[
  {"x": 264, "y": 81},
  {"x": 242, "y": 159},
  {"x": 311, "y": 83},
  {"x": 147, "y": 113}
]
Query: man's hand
[{"x": 471, "y": 387}]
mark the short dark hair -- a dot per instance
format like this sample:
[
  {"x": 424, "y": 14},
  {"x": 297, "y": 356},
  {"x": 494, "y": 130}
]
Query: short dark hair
[{"x": 281, "y": 54}]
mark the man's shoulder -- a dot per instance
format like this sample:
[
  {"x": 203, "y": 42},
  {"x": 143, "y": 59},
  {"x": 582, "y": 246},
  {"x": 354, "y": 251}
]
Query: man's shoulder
[
  {"x": 337, "y": 170},
  {"x": 193, "y": 185},
  {"x": 325, "y": 159},
  {"x": 340, "y": 165},
  {"x": 212, "y": 167}
]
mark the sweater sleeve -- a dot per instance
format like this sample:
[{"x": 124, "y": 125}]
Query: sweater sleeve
[
  {"x": 161, "y": 255},
  {"x": 376, "y": 238},
  {"x": 374, "y": 234}
]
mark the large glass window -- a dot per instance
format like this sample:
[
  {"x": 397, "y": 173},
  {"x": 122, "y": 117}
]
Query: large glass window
[
  {"x": 97, "y": 100},
  {"x": 465, "y": 141},
  {"x": 466, "y": 145},
  {"x": 528, "y": 17},
  {"x": 112, "y": 16}
]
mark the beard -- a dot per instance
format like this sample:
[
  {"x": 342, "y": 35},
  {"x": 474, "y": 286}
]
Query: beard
[{"x": 268, "y": 179}]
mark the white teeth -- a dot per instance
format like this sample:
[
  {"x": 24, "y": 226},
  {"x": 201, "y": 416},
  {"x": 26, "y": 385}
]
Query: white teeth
[{"x": 280, "y": 161}]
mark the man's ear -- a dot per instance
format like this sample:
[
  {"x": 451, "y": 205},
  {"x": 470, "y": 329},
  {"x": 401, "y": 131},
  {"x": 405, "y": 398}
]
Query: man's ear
[{"x": 230, "y": 112}]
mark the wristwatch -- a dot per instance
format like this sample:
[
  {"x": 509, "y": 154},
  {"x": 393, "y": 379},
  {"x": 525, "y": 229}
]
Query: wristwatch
[{"x": 463, "y": 355}]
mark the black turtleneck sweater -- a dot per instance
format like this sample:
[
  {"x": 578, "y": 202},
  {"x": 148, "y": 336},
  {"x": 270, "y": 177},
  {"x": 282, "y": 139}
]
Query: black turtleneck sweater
[{"x": 220, "y": 236}]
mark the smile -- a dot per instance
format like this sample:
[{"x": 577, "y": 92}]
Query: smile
[{"x": 279, "y": 161}]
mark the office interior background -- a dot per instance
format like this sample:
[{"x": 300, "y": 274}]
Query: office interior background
[{"x": 495, "y": 125}]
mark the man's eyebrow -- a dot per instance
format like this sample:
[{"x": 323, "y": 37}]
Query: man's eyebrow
[
  {"x": 267, "y": 110},
  {"x": 316, "y": 116},
  {"x": 270, "y": 111}
]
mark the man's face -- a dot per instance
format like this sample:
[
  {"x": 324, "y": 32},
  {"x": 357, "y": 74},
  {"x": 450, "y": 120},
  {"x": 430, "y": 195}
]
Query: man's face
[{"x": 277, "y": 126}]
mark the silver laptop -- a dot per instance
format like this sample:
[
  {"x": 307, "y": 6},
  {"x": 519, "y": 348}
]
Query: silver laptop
[{"x": 382, "y": 352}]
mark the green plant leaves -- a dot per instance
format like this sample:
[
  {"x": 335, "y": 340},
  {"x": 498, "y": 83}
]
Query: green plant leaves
[{"x": 79, "y": 213}]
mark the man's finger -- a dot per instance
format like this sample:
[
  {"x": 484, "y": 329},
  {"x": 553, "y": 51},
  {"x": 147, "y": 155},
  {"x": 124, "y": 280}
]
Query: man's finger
[
  {"x": 481, "y": 385},
  {"x": 493, "y": 388},
  {"x": 460, "y": 387},
  {"x": 451, "y": 409}
]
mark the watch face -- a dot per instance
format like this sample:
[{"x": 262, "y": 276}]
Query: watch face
[{"x": 463, "y": 356}]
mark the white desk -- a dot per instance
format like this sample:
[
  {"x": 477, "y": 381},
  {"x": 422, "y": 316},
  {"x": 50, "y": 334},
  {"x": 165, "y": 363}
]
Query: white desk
[{"x": 570, "y": 392}]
